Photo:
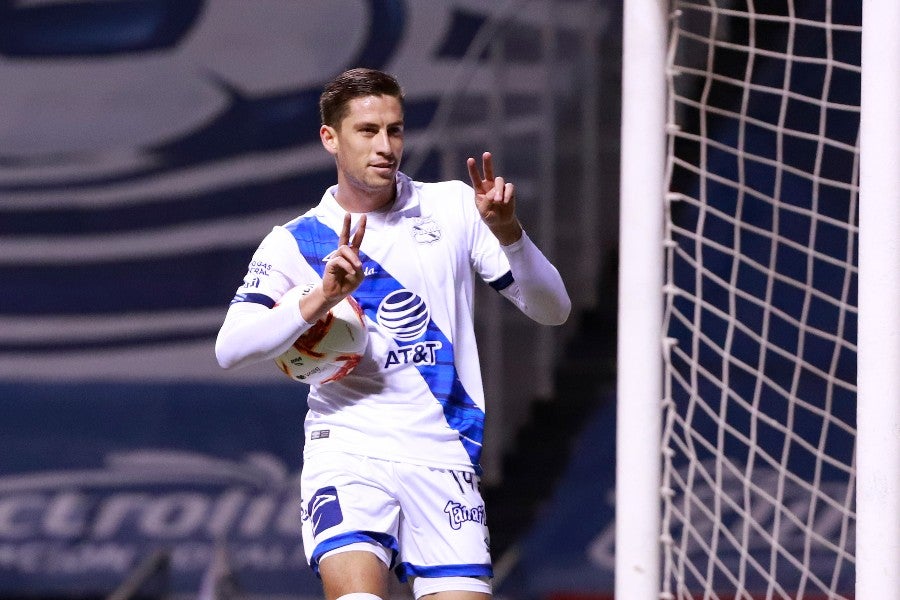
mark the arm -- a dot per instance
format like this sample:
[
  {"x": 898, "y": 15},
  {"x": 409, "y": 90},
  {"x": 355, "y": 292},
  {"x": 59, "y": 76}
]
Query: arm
[
  {"x": 255, "y": 330},
  {"x": 537, "y": 288},
  {"x": 252, "y": 333}
]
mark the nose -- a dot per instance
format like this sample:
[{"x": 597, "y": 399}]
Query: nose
[{"x": 383, "y": 142}]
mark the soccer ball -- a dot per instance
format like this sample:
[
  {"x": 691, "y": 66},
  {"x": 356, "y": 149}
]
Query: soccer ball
[{"x": 331, "y": 348}]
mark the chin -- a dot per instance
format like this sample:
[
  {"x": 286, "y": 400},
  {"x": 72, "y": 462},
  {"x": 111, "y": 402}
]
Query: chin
[{"x": 379, "y": 183}]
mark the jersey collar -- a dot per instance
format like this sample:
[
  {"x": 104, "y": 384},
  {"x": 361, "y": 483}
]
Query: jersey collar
[{"x": 406, "y": 200}]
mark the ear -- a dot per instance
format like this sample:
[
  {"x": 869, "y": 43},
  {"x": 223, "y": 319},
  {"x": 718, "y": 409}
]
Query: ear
[{"x": 329, "y": 138}]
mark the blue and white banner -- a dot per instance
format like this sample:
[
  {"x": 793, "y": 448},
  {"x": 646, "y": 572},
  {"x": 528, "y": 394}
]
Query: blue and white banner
[
  {"x": 96, "y": 478},
  {"x": 147, "y": 146}
]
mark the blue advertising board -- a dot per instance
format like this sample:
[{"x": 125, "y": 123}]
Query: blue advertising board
[
  {"x": 94, "y": 478},
  {"x": 146, "y": 148}
]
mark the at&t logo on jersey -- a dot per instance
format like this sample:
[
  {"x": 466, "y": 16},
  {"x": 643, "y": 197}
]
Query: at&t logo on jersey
[
  {"x": 418, "y": 354},
  {"x": 406, "y": 316}
]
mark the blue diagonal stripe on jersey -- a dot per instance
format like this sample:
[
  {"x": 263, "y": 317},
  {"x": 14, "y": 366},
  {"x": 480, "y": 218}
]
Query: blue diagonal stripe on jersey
[{"x": 316, "y": 241}]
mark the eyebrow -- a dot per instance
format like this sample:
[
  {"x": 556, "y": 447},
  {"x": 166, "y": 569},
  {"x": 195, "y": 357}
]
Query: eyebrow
[{"x": 367, "y": 124}]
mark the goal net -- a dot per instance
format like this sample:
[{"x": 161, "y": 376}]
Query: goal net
[{"x": 760, "y": 299}]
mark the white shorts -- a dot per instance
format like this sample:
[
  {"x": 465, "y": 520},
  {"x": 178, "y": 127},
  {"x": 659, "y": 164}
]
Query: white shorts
[{"x": 424, "y": 522}]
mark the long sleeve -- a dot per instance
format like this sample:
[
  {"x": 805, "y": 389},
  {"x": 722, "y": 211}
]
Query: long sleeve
[
  {"x": 537, "y": 288},
  {"x": 254, "y": 330},
  {"x": 252, "y": 333}
]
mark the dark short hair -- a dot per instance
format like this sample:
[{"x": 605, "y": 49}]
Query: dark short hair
[{"x": 355, "y": 83}]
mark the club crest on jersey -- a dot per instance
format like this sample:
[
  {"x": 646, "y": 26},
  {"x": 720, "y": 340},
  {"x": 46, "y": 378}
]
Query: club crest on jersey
[{"x": 425, "y": 230}]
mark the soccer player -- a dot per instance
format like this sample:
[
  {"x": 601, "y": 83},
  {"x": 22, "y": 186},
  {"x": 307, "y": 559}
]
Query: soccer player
[{"x": 391, "y": 457}]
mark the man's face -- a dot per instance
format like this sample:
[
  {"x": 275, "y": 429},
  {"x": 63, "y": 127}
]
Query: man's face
[{"x": 368, "y": 145}]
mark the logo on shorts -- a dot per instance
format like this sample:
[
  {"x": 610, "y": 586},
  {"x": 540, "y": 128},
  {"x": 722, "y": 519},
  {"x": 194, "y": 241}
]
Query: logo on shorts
[
  {"x": 459, "y": 514},
  {"x": 324, "y": 509}
]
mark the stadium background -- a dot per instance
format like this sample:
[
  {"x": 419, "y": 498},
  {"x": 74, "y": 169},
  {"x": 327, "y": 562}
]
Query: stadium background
[{"x": 146, "y": 146}]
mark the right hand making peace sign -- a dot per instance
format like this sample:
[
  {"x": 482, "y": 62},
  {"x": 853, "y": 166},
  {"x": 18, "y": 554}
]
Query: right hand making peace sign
[{"x": 496, "y": 201}]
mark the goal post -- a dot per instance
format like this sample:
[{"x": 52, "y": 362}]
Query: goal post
[
  {"x": 760, "y": 277},
  {"x": 642, "y": 167},
  {"x": 878, "y": 404}
]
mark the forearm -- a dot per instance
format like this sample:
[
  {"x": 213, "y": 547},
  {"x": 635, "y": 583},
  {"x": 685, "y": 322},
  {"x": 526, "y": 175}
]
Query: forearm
[
  {"x": 252, "y": 333},
  {"x": 509, "y": 233},
  {"x": 538, "y": 290}
]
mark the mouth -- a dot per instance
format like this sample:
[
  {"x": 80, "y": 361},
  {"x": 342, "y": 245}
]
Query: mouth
[{"x": 384, "y": 167}]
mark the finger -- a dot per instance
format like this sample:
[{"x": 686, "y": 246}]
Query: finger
[
  {"x": 360, "y": 232},
  {"x": 509, "y": 193},
  {"x": 349, "y": 254},
  {"x": 340, "y": 265},
  {"x": 344, "y": 237},
  {"x": 499, "y": 188},
  {"x": 488, "y": 164},
  {"x": 474, "y": 175}
]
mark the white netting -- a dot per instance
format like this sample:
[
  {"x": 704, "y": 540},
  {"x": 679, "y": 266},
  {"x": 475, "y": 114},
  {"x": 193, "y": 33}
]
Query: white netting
[{"x": 761, "y": 232}]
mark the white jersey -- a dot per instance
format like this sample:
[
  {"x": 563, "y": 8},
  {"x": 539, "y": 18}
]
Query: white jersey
[{"x": 417, "y": 394}]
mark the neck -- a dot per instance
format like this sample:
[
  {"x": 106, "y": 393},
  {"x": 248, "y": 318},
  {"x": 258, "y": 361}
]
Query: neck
[{"x": 355, "y": 200}]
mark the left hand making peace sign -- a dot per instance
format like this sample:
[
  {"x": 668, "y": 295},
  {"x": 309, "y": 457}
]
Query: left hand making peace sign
[
  {"x": 496, "y": 201},
  {"x": 342, "y": 275}
]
